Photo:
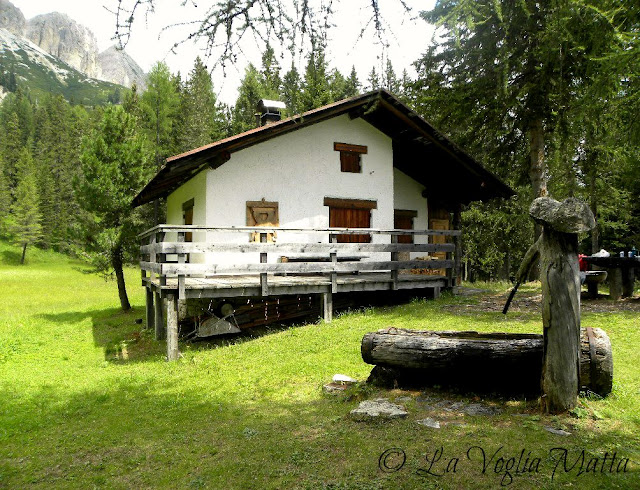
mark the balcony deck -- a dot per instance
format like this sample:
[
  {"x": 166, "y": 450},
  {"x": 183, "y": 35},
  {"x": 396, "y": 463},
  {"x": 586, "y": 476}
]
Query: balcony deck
[{"x": 231, "y": 286}]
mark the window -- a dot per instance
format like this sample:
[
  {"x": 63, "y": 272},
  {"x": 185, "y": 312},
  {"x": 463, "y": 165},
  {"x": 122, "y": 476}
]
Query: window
[
  {"x": 350, "y": 157},
  {"x": 262, "y": 213},
  {"x": 350, "y": 213}
]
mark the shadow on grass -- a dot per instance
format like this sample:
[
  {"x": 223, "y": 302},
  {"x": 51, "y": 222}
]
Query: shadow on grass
[
  {"x": 9, "y": 257},
  {"x": 120, "y": 333},
  {"x": 125, "y": 339}
]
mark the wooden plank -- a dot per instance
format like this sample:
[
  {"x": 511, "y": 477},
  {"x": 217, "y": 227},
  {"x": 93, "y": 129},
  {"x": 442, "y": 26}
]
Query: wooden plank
[
  {"x": 302, "y": 267},
  {"x": 335, "y": 202},
  {"x": 260, "y": 229},
  {"x": 351, "y": 148},
  {"x": 172, "y": 328},
  {"x": 294, "y": 248},
  {"x": 152, "y": 267}
]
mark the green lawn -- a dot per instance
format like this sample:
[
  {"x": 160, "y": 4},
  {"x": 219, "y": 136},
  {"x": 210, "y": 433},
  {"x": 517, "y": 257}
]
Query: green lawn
[{"x": 87, "y": 400}]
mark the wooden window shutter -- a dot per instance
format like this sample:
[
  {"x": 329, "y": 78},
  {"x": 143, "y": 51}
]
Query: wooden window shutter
[{"x": 350, "y": 156}]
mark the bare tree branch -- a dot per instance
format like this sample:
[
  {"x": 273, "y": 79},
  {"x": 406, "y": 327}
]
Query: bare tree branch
[{"x": 285, "y": 23}]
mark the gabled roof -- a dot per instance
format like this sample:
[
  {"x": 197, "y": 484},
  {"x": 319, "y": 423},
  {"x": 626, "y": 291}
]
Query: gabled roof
[{"x": 419, "y": 150}]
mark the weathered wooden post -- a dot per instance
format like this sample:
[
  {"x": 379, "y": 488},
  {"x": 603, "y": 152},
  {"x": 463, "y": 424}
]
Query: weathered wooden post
[{"x": 557, "y": 249}]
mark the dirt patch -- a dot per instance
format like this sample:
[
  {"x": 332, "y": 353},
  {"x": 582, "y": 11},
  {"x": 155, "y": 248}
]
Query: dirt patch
[{"x": 531, "y": 302}]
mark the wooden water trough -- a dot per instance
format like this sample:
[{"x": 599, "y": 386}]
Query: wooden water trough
[{"x": 498, "y": 362}]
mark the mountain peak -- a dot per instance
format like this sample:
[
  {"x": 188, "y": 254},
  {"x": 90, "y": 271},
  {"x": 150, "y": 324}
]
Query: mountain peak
[
  {"x": 11, "y": 18},
  {"x": 61, "y": 36}
]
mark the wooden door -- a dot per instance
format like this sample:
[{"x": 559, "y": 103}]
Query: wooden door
[
  {"x": 188, "y": 220},
  {"x": 350, "y": 218},
  {"x": 439, "y": 224}
]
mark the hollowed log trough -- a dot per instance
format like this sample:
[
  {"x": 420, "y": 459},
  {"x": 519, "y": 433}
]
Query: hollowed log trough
[{"x": 495, "y": 362}]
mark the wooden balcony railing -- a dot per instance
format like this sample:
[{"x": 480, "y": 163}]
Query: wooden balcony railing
[{"x": 163, "y": 258}]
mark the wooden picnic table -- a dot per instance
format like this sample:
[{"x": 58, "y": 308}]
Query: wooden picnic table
[{"x": 621, "y": 274}]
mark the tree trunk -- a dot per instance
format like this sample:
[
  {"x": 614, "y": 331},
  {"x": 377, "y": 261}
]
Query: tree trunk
[
  {"x": 24, "y": 253},
  {"x": 560, "y": 320},
  {"x": 595, "y": 233},
  {"x": 497, "y": 361},
  {"x": 537, "y": 172},
  {"x": 116, "y": 263}
]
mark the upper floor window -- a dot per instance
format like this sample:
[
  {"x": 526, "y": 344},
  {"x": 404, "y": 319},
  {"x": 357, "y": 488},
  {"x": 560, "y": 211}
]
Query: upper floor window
[{"x": 350, "y": 157}]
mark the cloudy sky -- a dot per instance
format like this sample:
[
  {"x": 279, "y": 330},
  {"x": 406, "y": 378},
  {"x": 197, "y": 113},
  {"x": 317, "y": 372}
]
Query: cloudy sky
[{"x": 407, "y": 38}]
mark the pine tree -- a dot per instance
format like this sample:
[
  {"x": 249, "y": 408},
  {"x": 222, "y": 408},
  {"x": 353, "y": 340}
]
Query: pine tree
[
  {"x": 24, "y": 221},
  {"x": 56, "y": 152},
  {"x": 201, "y": 123},
  {"x": 270, "y": 75},
  {"x": 160, "y": 103},
  {"x": 337, "y": 85},
  {"x": 405, "y": 87},
  {"x": 114, "y": 167},
  {"x": 373, "y": 79},
  {"x": 315, "y": 89},
  {"x": 10, "y": 146},
  {"x": 5, "y": 198},
  {"x": 390, "y": 80},
  {"x": 249, "y": 94},
  {"x": 291, "y": 92},
  {"x": 353, "y": 85}
]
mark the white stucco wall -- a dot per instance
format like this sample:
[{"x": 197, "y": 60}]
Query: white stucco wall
[
  {"x": 195, "y": 189},
  {"x": 408, "y": 195}
]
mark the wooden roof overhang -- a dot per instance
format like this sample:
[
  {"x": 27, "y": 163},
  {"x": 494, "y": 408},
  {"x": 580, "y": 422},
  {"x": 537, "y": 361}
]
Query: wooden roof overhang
[{"x": 420, "y": 151}]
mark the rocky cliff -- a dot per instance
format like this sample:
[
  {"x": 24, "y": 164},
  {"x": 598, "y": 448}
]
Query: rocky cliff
[
  {"x": 11, "y": 18},
  {"x": 118, "y": 67},
  {"x": 72, "y": 43},
  {"x": 62, "y": 37}
]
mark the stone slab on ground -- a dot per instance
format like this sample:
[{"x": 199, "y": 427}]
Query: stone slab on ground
[
  {"x": 429, "y": 422},
  {"x": 380, "y": 408}
]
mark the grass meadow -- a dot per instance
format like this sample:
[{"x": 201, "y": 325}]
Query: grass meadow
[{"x": 88, "y": 401}]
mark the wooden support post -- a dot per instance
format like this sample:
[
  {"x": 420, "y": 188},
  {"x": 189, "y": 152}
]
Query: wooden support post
[
  {"x": 327, "y": 303},
  {"x": 436, "y": 292},
  {"x": 334, "y": 261},
  {"x": 149, "y": 308},
  {"x": 394, "y": 272},
  {"x": 172, "y": 327},
  {"x": 182, "y": 258},
  {"x": 628, "y": 282},
  {"x": 457, "y": 240},
  {"x": 159, "y": 317},
  {"x": 615, "y": 283},
  {"x": 264, "y": 287}
]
